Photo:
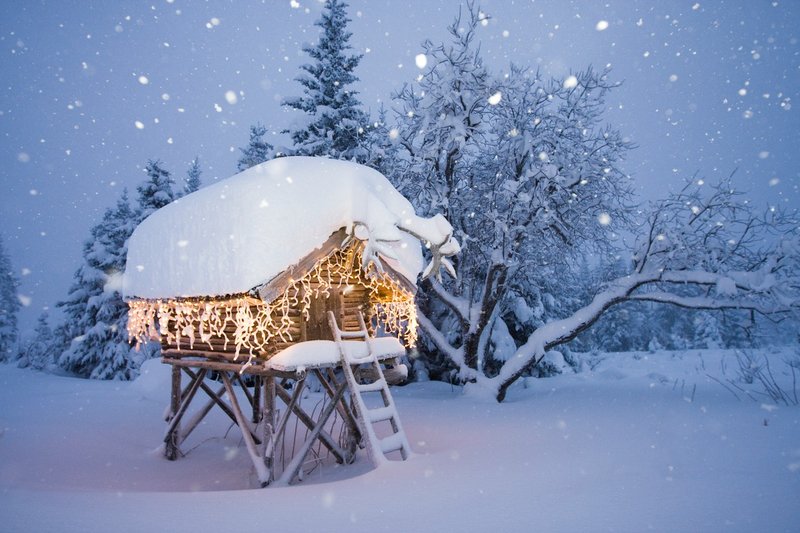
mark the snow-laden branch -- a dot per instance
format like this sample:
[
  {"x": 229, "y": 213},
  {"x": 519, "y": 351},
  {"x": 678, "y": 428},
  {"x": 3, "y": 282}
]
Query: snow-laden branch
[
  {"x": 560, "y": 331},
  {"x": 692, "y": 240},
  {"x": 459, "y": 306},
  {"x": 456, "y": 355},
  {"x": 703, "y": 302}
]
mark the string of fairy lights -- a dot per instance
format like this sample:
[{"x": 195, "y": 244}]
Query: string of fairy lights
[{"x": 255, "y": 327}]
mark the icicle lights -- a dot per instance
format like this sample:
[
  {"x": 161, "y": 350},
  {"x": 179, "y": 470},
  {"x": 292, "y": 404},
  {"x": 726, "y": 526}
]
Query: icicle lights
[{"x": 256, "y": 327}]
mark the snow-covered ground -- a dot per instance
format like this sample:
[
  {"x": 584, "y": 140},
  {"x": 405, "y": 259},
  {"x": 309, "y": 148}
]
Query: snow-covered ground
[{"x": 636, "y": 442}]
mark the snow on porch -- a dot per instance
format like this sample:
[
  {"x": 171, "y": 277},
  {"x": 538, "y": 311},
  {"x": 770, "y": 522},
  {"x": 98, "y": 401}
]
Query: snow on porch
[
  {"x": 241, "y": 232},
  {"x": 320, "y": 353}
]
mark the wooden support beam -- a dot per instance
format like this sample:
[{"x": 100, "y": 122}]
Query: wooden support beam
[
  {"x": 198, "y": 417},
  {"x": 171, "y": 437},
  {"x": 227, "y": 367},
  {"x": 171, "y": 448},
  {"x": 245, "y": 389},
  {"x": 257, "y": 412},
  {"x": 308, "y": 421},
  {"x": 217, "y": 399},
  {"x": 354, "y": 433},
  {"x": 271, "y": 449},
  {"x": 297, "y": 462},
  {"x": 268, "y": 421},
  {"x": 258, "y": 460}
]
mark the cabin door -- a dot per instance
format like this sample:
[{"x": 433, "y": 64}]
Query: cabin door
[{"x": 317, "y": 327}]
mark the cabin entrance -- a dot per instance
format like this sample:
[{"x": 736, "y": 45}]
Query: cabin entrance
[{"x": 317, "y": 327}]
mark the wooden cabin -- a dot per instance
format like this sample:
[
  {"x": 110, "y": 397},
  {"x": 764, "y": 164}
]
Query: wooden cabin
[
  {"x": 249, "y": 269},
  {"x": 250, "y": 265},
  {"x": 291, "y": 308}
]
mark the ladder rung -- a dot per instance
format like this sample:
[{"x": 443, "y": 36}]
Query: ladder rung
[
  {"x": 375, "y": 386},
  {"x": 392, "y": 443},
  {"x": 353, "y": 334},
  {"x": 380, "y": 414}
]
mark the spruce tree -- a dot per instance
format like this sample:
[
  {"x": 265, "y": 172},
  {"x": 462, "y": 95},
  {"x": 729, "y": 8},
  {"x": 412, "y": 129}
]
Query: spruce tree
[
  {"x": 96, "y": 315},
  {"x": 39, "y": 352},
  {"x": 192, "y": 177},
  {"x": 156, "y": 191},
  {"x": 335, "y": 124},
  {"x": 9, "y": 305},
  {"x": 257, "y": 151}
]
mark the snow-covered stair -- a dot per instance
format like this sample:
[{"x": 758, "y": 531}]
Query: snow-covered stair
[{"x": 377, "y": 447}]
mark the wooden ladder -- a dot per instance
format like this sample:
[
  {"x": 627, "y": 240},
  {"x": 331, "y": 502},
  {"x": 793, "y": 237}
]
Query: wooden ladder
[{"x": 377, "y": 447}]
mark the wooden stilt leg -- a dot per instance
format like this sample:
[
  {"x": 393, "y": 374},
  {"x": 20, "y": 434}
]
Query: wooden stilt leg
[
  {"x": 171, "y": 448},
  {"x": 257, "y": 413},
  {"x": 173, "y": 430},
  {"x": 268, "y": 419},
  {"x": 246, "y": 390},
  {"x": 258, "y": 461}
]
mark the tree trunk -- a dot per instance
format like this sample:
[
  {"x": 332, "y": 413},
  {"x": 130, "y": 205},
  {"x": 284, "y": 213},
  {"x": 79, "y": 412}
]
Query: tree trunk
[{"x": 493, "y": 291}]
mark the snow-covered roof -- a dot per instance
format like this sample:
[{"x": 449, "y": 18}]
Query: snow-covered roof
[{"x": 241, "y": 232}]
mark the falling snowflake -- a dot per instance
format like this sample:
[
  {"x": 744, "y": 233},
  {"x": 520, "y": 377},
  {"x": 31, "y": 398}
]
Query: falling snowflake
[
  {"x": 604, "y": 219},
  {"x": 601, "y": 25},
  {"x": 421, "y": 60},
  {"x": 495, "y": 98},
  {"x": 570, "y": 82}
]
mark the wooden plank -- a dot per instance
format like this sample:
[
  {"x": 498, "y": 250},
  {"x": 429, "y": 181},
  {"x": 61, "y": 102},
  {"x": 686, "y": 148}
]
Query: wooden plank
[
  {"x": 275, "y": 287},
  {"x": 228, "y": 367}
]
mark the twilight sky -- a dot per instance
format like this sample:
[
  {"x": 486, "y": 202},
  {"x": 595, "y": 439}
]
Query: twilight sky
[{"x": 91, "y": 90}]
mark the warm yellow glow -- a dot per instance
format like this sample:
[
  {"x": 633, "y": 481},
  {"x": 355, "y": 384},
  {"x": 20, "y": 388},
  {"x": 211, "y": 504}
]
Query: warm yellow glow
[{"x": 252, "y": 325}]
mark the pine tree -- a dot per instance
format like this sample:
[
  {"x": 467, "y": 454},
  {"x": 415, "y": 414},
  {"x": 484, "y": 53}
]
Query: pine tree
[
  {"x": 39, "y": 352},
  {"x": 96, "y": 315},
  {"x": 335, "y": 124},
  {"x": 383, "y": 150},
  {"x": 157, "y": 191},
  {"x": 192, "y": 177},
  {"x": 257, "y": 151},
  {"x": 9, "y": 305}
]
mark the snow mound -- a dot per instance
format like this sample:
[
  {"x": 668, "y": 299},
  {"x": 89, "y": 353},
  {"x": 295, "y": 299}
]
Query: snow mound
[
  {"x": 154, "y": 380},
  {"x": 315, "y": 354},
  {"x": 241, "y": 232}
]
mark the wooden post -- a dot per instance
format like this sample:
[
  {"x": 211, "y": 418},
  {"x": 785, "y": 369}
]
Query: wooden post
[
  {"x": 268, "y": 419},
  {"x": 257, "y": 459},
  {"x": 257, "y": 412},
  {"x": 171, "y": 448}
]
